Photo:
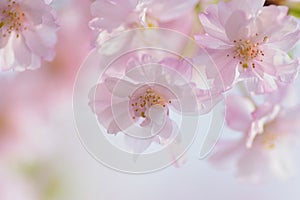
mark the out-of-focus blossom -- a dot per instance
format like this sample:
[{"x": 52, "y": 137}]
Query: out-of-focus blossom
[
  {"x": 125, "y": 14},
  {"x": 270, "y": 132},
  {"x": 38, "y": 93},
  {"x": 27, "y": 34},
  {"x": 73, "y": 18},
  {"x": 254, "y": 40}
]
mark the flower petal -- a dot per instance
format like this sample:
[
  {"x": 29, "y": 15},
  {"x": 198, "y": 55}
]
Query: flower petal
[
  {"x": 238, "y": 112},
  {"x": 41, "y": 41},
  {"x": 119, "y": 87},
  {"x": 22, "y": 53},
  {"x": 236, "y": 26}
]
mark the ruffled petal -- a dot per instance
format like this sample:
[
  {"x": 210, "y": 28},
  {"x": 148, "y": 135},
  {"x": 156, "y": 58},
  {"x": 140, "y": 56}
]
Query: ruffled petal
[
  {"x": 118, "y": 87},
  {"x": 236, "y": 26},
  {"x": 157, "y": 114},
  {"x": 41, "y": 41},
  {"x": 276, "y": 28},
  {"x": 238, "y": 113},
  {"x": 212, "y": 22},
  {"x": 180, "y": 66},
  {"x": 38, "y": 12},
  {"x": 226, "y": 76},
  {"x": 22, "y": 53},
  {"x": 99, "y": 98},
  {"x": 210, "y": 42},
  {"x": 247, "y": 6}
]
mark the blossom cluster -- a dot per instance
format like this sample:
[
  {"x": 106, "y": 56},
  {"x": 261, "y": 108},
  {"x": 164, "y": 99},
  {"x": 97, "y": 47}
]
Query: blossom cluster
[{"x": 252, "y": 46}]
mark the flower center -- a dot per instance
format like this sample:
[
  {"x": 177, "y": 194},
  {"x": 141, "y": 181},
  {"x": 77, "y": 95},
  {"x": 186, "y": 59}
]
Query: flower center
[
  {"x": 269, "y": 141},
  {"x": 12, "y": 19},
  {"x": 142, "y": 101},
  {"x": 246, "y": 51}
]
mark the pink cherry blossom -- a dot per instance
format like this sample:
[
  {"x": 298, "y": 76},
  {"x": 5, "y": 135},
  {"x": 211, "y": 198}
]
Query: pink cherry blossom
[
  {"x": 269, "y": 135},
  {"x": 27, "y": 34},
  {"x": 141, "y": 101},
  {"x": 245, "y": 37}
]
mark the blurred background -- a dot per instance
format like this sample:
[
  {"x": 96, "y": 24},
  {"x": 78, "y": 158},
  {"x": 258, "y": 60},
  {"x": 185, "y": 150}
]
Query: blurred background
[{"x": 42, "y": 158}]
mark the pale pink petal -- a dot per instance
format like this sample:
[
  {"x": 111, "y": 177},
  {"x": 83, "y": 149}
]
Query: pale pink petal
[
  {"x": 100, "y": 98},
  {"x": 105, "y": 117},
  {"x": 187, "y": 99},
  {"x": 108, "y": 20},
  {"x": 140, "y": 69},
  {"x": 101, "y": 104},
  {"x": 38, "y": 12},
  {"x": 207, "y": 99},
  {"x": 223, "y": 12},
  {"x": 277, "y": 28},
  {"x": 247, "y": 6},
  {"x": 235, "y": 26},
  {"x": 279, "y": 64},
  {"x": 7, "y": 56},
  {"x": 113, "y": 128},
  {"x": 261, "y": 86},
  {"x": 157, "y": 114},
  {"x": 220, "y": 59},
  {"x": 167, "y": 133},
  {"x": 114, "y": 121},
  {"x": 238, "y": 112},
  {"x": 121, "y": 114},
  {"x": 41, "y": 41},
  {"x": 225, "y": 78},
  {"x": 3, "y": 40},
  {"x": 212, "y": 29},
  {"x": 22, "y": 53},
  {"x": 118, "y": 87},
  {"x": 35, "y": 62},
  {"x": 210, "y": 42},
  {"x": 287, "y": 42},
  {"x": 180, "y": 66}
]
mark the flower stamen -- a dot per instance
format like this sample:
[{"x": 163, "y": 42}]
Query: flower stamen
[
  {"x": 12, "y": 19},
  {"x": 246, "y": 51},
  {"x": 141, "y": 103}
]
